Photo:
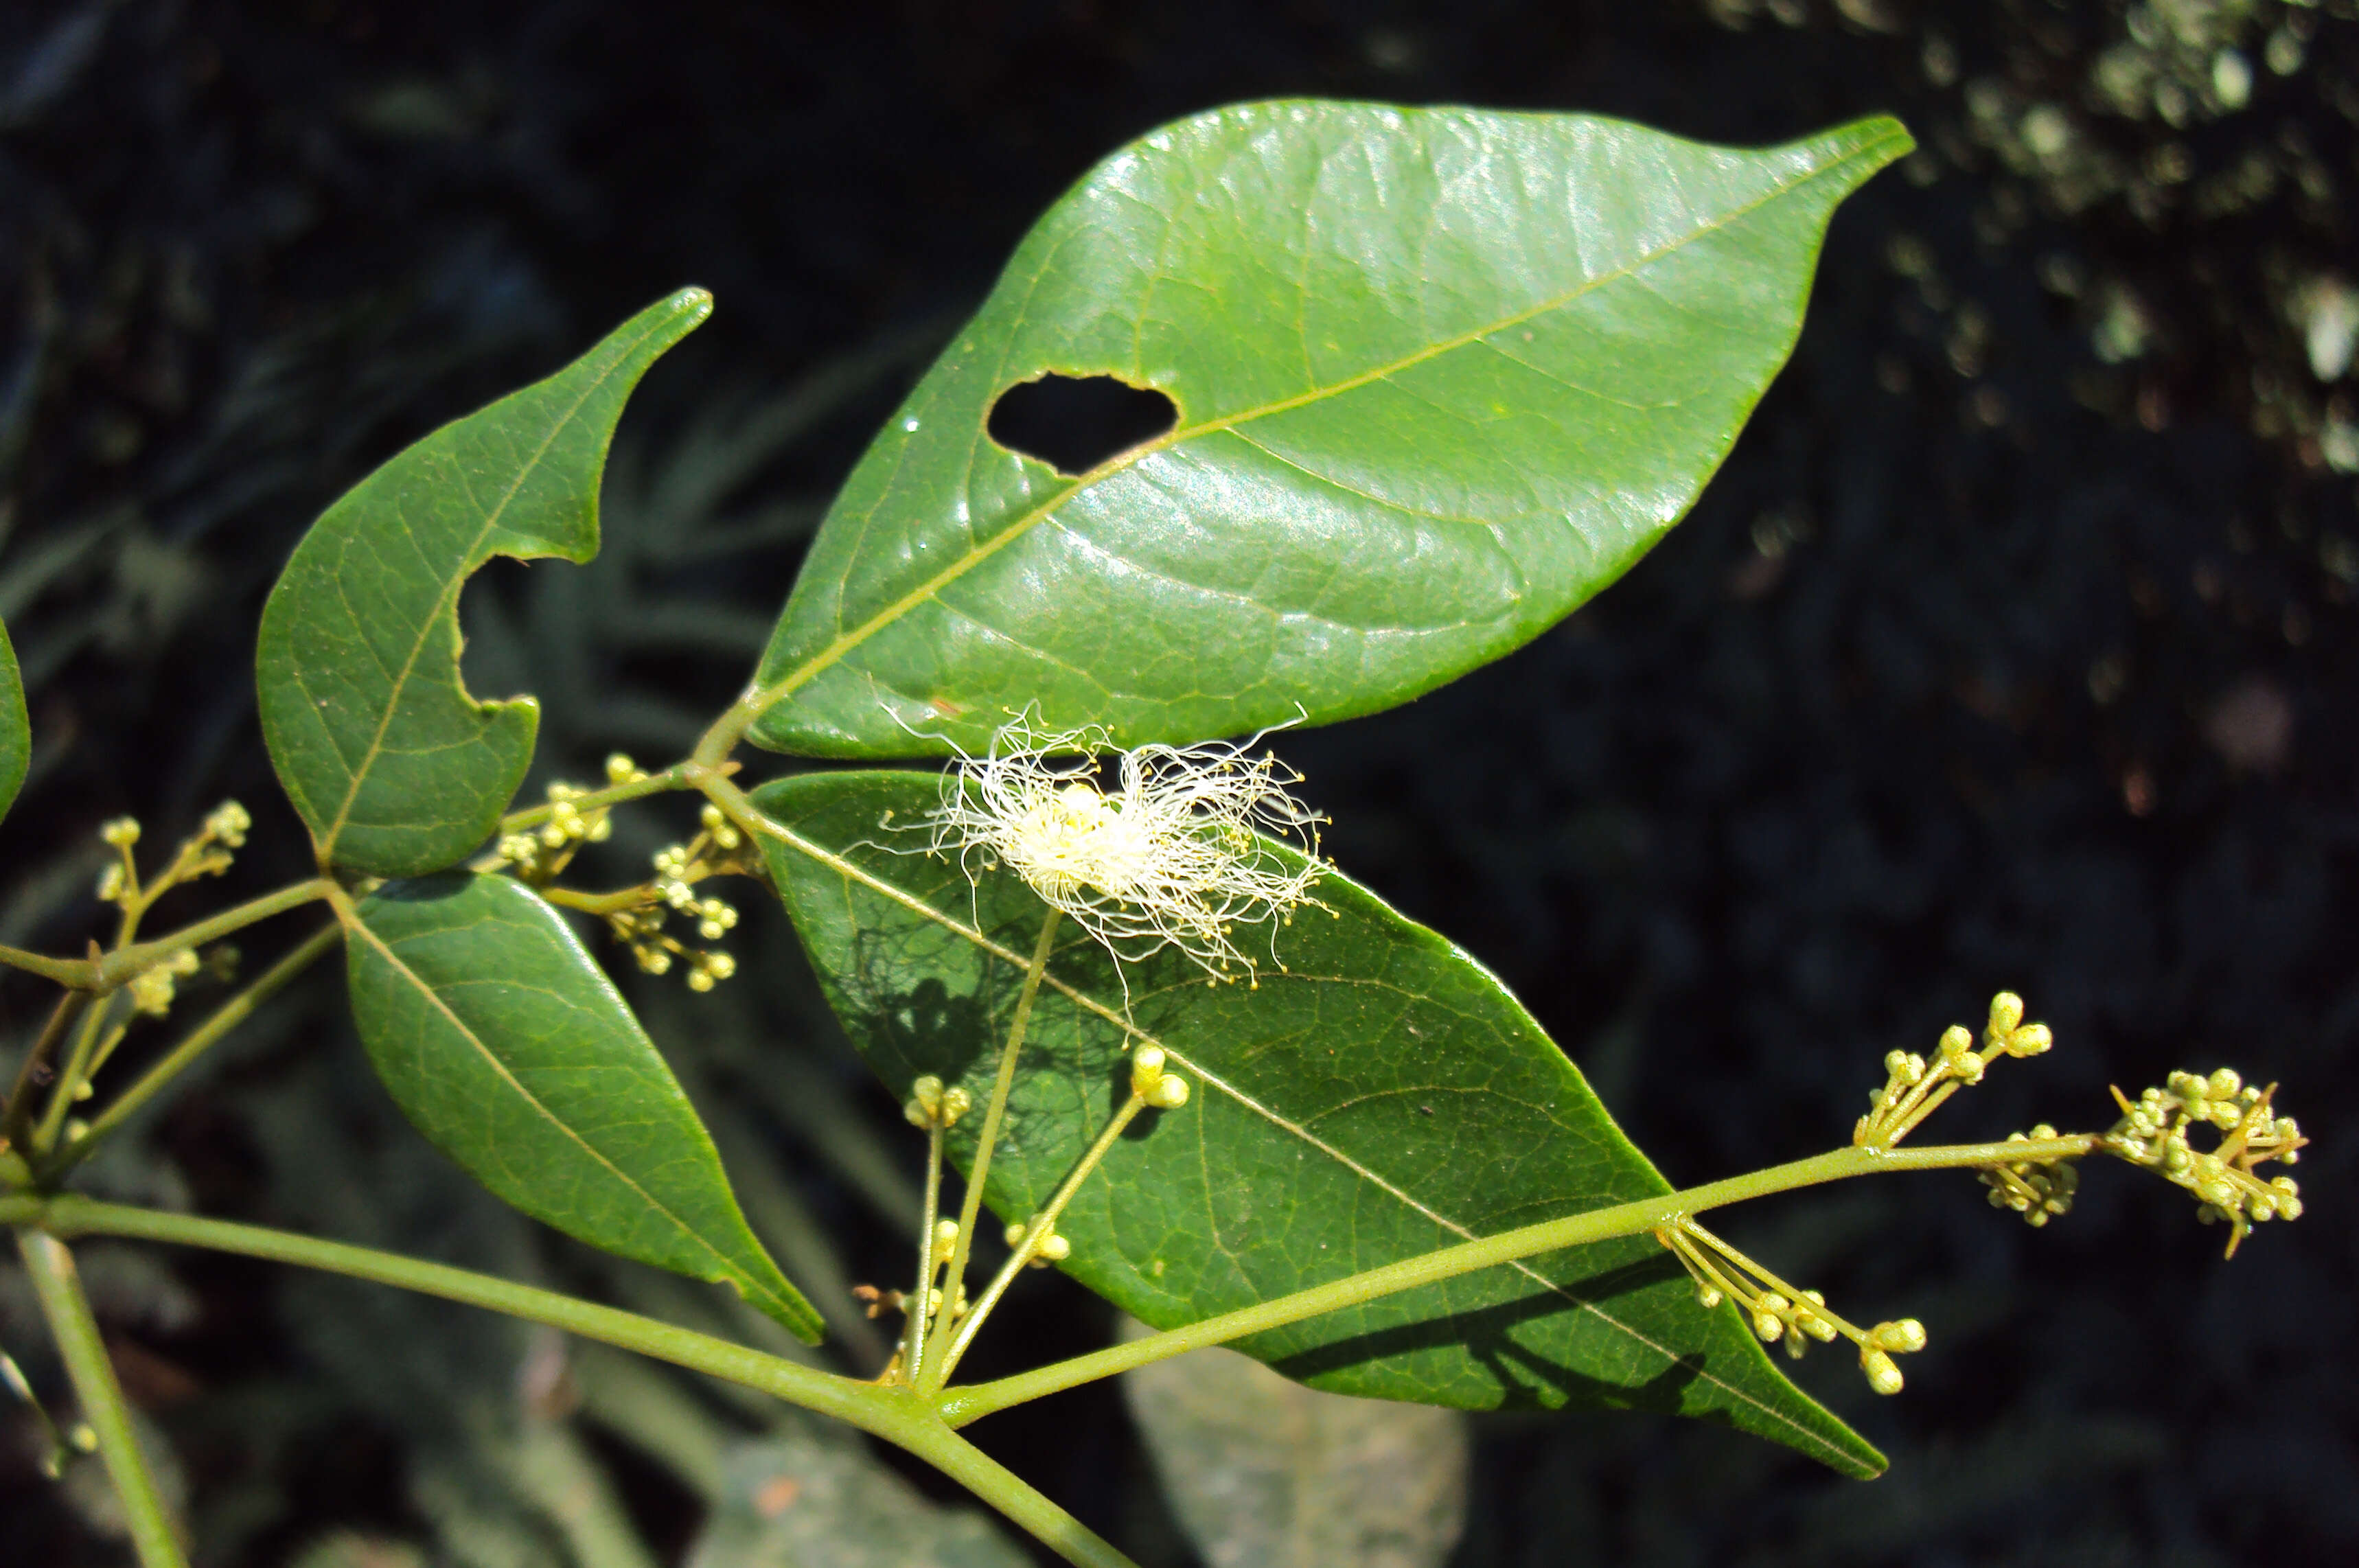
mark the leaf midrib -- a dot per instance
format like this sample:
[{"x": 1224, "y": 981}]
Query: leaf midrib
[
  {"x": 448, "y": 595},
  {"x": 720, "y": 1258},
  {"x": 1804, "y": 1436},
  {"x": 762, "y": 699}
]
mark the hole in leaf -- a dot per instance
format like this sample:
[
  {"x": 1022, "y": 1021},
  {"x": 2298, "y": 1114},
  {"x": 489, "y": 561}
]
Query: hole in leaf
[{"x": 1074, "y": 423}]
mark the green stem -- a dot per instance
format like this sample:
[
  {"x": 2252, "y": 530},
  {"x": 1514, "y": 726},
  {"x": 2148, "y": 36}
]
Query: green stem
[
  {"x": 1042, "y": 1223},
  {"x": 17, "y": 1128},
  {"x": 673, "y": 778},
  {"x": 971, "y": 1206},
  {"x": 884, "y": 1411},
  {"x": 600, "y": 904},
  {"x": 713, "y": 748},
  {"x": 114, "y": 969},
  {"x": 918, "y": 1310},
  {"x": 77, "y": 1068},
  {"x": 55, "y": 1281},
  {"x": 227, "y": 1017},
  {"x": 73, "y": 972},
  {"x": 120, "y": 965},
  {"x": 960, "y": 1406}
]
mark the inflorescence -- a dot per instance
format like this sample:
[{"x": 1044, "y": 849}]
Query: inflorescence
[
  {"x": 1914, "y": 1088},
  {"x": 1177, "y": 854},
  {"x": 639, "y": 917},
  {"x": 2154, "y": 1132},
  {"x": 209, "y": 852},
  {"x": 1780, "y": 1314}
]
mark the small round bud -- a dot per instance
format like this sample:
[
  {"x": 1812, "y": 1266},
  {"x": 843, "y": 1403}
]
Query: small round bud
[
  {"x": 1147, "y": 1059},
  {"x": 2224, "y": 1084},
  {"x": 1708, "y": 1297},
  {"x": 2006, "y": 1013},
  {"x": 1767, "y": 1324},
  {"x": 1882, "y": 1375},
  {"x": 1014, "y": 1234},
  {"x": 1168, "y": 1092},
  {"x": 621, "y": 769},
  {"x": 121, "y": 832},
  {"x": 1905, "y": 1336},
  {"x": 1956, "y": 1041},
  {"x": 1055, "y": 1248},
  {"x": 2030, "y": 1039},
  {"x": 956, "y": 1103}
]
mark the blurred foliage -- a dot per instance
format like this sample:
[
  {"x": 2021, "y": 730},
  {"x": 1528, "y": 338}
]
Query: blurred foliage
[{"x": 2010, "y": 647}]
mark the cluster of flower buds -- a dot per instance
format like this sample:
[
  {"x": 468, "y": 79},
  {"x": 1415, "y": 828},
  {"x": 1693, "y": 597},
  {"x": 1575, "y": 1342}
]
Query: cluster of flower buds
[
  {"x": 2155, "y": 1131},
  {"x": 1051, "y": 1248},
  {"x": 1778, "y": 1312},
  {"x": 539, "y": 853},
  {"x": 673, "y": 892},
  {"x": 931, "y": 1106},
  {"x": 1164, "y": 1090},
  {"x": 1914, "y": 1088},
  {"x": 2038, "y": 1189},
  {"x": 207, "y": 853},
  {"x": 151, "y": 989}
]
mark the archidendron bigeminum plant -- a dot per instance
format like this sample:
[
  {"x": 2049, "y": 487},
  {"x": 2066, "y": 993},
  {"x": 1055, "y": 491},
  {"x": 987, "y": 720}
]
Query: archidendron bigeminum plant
[{"x": 1439, "y": 375}]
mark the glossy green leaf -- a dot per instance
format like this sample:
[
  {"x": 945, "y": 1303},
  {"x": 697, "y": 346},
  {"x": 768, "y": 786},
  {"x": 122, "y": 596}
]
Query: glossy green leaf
[
  {"x": 509, "y": 1048},
  {"x": 1441, "y": 374},
  {"x": 1384, "y": 1098},
  {"x": 15, "y": 729},
  {"x": 1262, "y": 1471},
  {"x": 395, "y": 768}
]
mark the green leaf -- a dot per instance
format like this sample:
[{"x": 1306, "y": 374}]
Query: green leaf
[
  {"x": 15, "y": 729},
  {"x": 394, "y": 766},
  {"x": 1263, "y": 1471},
  {"x": 1441, "y": 374},
  {"x": 1384, "y": 1098},
  {"x": 509, "y": 1048}
]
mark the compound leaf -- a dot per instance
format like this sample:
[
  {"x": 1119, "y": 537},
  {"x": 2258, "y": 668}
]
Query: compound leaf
[
  {"x": 1381, "y": 1098},
  {"x": 15, "y": 729},
  {"x": 394, "y": 766},
  {"x": 509, "y": 1048},
  {"x": 1439, "y": 375}
]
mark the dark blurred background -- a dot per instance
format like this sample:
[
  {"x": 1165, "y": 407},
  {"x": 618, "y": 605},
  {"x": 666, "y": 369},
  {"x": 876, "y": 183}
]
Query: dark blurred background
[{"x": 2013, "y": 646}]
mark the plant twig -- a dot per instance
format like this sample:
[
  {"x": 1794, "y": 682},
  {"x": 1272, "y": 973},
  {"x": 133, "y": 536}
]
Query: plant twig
[
  {"x": 59, "y": 1286},
  {"x": 885, "y": 1410},
  {"x": 124, "y": 963},
  {"x": 225, "y": 1017},
  {"x": 971, "y": 1206},
  {"x": 673, "y": 778},
  {"x": 960, "y": 1406},
  {"x": 918, "y": 1309},
  {"x": 1040, "y": 1226},
  {"x": 16, "y": 1128}
]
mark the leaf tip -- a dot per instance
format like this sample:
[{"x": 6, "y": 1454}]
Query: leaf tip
[{"x": 696, "y": 304}]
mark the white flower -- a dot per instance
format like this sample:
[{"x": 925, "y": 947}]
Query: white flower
[{"x": 1174, "y": 857}]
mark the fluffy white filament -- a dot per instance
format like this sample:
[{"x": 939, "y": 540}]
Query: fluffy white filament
[{"x": 1171, "y": 857}]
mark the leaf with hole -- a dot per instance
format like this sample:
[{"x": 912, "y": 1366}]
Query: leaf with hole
[
  {"x": 1379, "y": 1098},
  {"x": 16, "y": 728},
  {"x": 394, "y": 766},
  {"x": 1435, "y": 377},
  {"x": 506, "y": 1045}
]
